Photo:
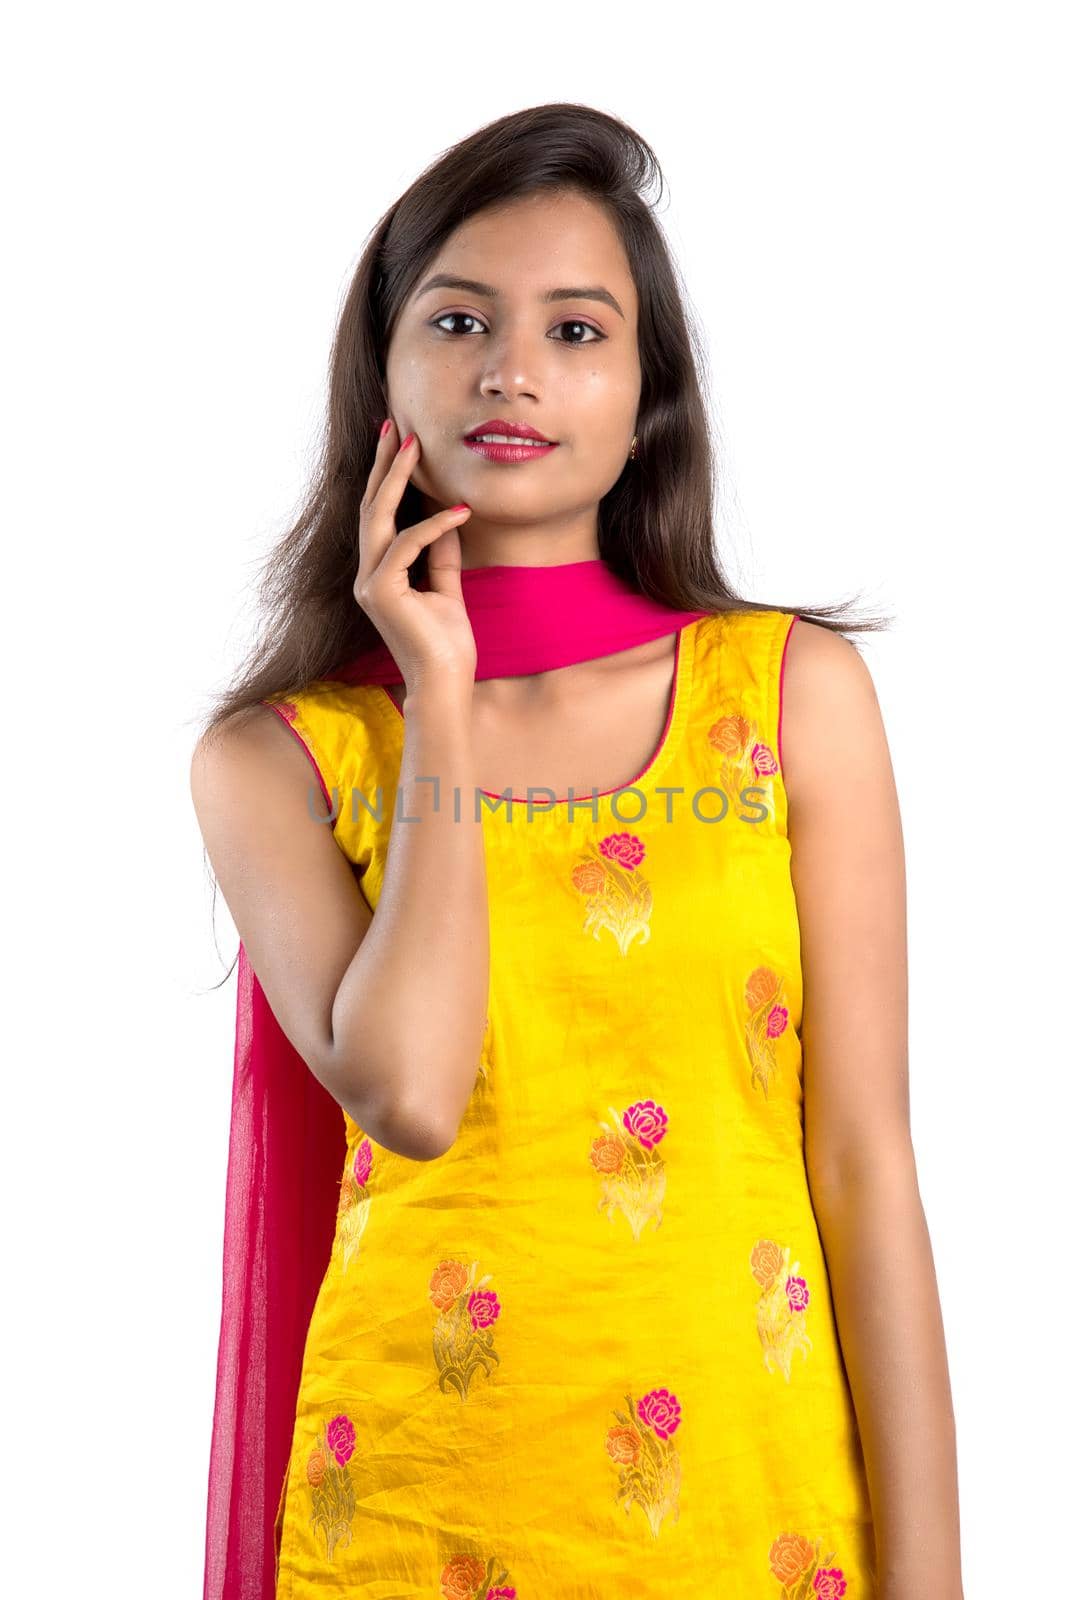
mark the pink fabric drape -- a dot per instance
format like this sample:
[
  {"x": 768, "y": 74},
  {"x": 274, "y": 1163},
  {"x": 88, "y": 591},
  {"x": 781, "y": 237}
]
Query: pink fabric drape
[
  {"x": 287, "y": 1150},
  {"x": 535, "y": 619}
]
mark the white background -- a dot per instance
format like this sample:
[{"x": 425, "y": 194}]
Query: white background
[{"x": 868, "y": 207}]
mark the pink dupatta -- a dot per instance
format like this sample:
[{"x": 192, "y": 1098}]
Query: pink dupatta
[
  {"x": 287, "y": 1151},
  {"x": 287, "y": 1133}
]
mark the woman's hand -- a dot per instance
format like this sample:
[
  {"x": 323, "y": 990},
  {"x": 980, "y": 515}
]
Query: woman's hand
[{"x": 428, "y": 633}]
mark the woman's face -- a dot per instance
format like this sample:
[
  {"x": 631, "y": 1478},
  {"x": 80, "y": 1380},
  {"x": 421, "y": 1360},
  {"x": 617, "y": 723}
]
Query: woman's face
[{"x": 462, "y": 355}]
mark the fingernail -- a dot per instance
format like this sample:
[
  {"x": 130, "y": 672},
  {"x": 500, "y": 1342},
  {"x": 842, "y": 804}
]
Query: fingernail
[
  {"x": 407, "y": 441},
  {"x": 460, "y": 507},
  {"x": 384, "y": 429}
]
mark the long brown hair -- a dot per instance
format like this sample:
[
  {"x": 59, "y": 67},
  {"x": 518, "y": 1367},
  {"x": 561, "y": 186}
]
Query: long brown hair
[{"x": 655, "y": 525}]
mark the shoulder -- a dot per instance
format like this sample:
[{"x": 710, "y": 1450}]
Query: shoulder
[
  {"x": 832, "y": 727},
  {"x": 820, "y": 662},
  {"x": 233, "y": 740},
  {"x": 330, "y": 727},
  {"x": 237, "y": 761}
]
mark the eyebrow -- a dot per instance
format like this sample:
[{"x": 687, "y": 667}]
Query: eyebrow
[{"x": 445, "y": 280}]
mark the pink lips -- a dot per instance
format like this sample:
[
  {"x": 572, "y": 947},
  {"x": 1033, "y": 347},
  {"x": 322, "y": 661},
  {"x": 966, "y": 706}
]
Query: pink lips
[
  {"x": 524, "y": 430},
  {"x": 509, "y": 452}
]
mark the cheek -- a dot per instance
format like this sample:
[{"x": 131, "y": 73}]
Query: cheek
[
  {"x": 601, "y": 403},
  {"x": 428, "y": 387}
]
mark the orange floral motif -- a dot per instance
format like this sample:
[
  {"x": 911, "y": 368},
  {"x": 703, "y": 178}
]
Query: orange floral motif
[
  {"x": 747, "y": 759},
  {"x": 643, "y": 1448},
  {"x": 805, "y": 1574},
  {"x": 780, "y": 1312},
  {"x": 619, "y": 896},
  {"x": 354, "y": 1205},
  {"x": 631, "y": 1168},
  {"x": 768, "y": 1020},
  {"x": 462, "y": 1337},
  {"x": 468, "y": 1578},
  {"x": 333, "y": 1496}
]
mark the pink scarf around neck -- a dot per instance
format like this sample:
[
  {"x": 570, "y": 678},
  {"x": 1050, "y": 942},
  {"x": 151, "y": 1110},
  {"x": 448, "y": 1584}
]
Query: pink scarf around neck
[{"x": 534, "y": 619}]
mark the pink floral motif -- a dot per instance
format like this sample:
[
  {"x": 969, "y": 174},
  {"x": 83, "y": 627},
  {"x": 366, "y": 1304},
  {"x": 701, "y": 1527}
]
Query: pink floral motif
[
  {"x": 361, "y": 1165},
  {"x": 333, "y": 1494},
  {"x": 828, "y": 1583},
  {"x": 497, "y": 1593},
  {"x": 797, "y": 1293},
  {"x": 646, "y": 1455},
  {"x": 776, "y": 1022},
  {"x": 341, "y": 1439},
  {"x": 744, "y": 757},
  {"x": 768, "y": 1019},
  {"x": 625, "y": 848},
  {"x": 764, "y": 762},
  {"x": 618, "y": 897},
  {"x": 646, "y": 1121},
  {"x": 660, "y": 1411},
  {"x": 632, "y": 1170},
  {"x": 466, "y": 1310},
  {"x": 483, "y": 1308},
  {"x": 780, "y": 1310}
]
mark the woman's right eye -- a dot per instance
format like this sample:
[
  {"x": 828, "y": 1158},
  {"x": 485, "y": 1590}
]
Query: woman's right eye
[{"x": 462, "y": 316}]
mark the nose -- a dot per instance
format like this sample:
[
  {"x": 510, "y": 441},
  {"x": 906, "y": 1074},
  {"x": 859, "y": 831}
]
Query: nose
[{"x": 512, "y": 366}]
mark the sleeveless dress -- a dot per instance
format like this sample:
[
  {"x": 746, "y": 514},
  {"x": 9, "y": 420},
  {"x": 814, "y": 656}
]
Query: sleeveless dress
[{"x": 591, "y": 1351}]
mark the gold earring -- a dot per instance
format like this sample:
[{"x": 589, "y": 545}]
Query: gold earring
[{"x": 634, "y": 448}]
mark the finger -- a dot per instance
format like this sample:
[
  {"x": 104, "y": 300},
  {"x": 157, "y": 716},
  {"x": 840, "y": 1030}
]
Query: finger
[
  {"x": 385, "y": 451},
  {"x": 443, "y": 564},
  {"x": 378, "y": 523},
  {"x": 404, "y": 549}
]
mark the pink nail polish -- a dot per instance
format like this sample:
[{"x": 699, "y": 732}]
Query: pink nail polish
[
  {"x": 384, "y": 429},
  {"x": 407, "y": 441}
]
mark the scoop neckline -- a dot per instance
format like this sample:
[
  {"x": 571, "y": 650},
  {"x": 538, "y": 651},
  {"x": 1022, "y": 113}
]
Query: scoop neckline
[{"x": 645, "y": 781}]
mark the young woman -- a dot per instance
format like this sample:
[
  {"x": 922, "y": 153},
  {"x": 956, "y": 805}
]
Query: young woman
[{"x": 556, "y": 1263}]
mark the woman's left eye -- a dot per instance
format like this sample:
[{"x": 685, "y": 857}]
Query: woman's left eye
[{"x": 467, "y": 316}]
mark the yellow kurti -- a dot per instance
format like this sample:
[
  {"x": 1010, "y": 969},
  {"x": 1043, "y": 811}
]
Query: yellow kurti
[{"x": 591, "y": 1350}]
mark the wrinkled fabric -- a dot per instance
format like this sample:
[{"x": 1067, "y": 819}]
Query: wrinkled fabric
[
  {"x": 287, "y": 1133},
  {"x": 591, "y": 1350}
]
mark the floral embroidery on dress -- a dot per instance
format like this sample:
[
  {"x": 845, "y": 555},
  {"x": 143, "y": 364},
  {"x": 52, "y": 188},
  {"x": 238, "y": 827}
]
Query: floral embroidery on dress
[
  {"x": 620, "y": 897},
  {"x": 333, "y": 1495},
  {"x": 746, "y": 760},
  {"x": 780, "y": 1312},
  {"x": 650, "y": 1470},
  {"x": 463, "y": 1340},
  {"x": 354, "y": 1205},
  {"x": 803, "y": 1571},
  {"x": 764, "y": 995},
  {"x": 468, "y": 1578},
  {"x": 631, "y": 1168}
]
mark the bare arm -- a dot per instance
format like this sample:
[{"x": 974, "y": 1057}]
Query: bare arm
[
  {"x": 849, "y": 878},
  {"x": 386, "y": 1009},
  {"x": 410, "y": 1011}
]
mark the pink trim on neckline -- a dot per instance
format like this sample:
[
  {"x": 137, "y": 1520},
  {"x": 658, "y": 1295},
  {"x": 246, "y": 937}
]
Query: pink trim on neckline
[{"x": 665, "y": 734}]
